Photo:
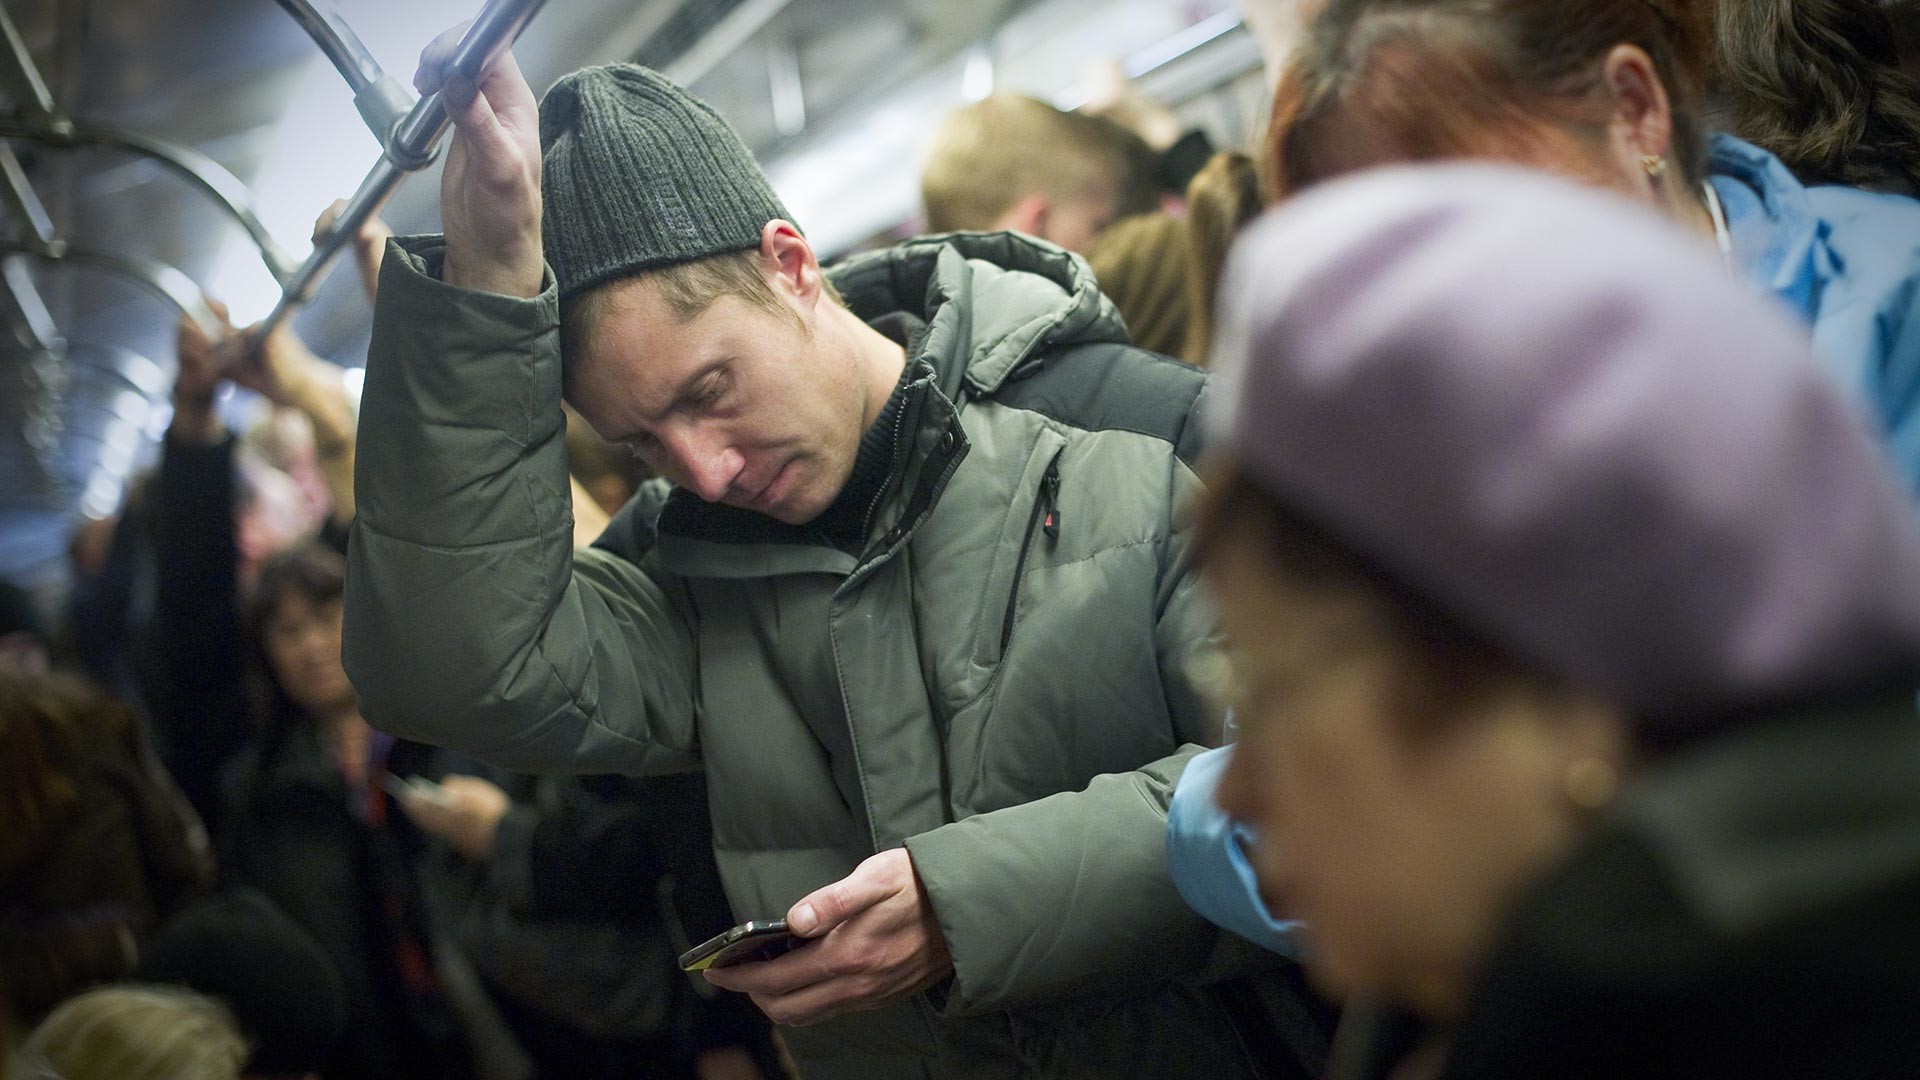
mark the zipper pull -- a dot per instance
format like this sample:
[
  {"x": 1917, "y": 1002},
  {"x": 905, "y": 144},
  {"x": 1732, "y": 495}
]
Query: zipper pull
[{"x": 1050, "y": 484}]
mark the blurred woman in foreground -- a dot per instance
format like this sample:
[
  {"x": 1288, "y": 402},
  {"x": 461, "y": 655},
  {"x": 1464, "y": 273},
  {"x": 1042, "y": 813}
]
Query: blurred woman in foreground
[{"x": 1575, "y": 624}]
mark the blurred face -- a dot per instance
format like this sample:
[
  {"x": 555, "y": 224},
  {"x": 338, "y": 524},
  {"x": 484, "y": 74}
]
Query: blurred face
[
  {"x": 302, "y": 641},
  {"x": 740, "y": 405},
  {"x": 1400, "y": 835}
]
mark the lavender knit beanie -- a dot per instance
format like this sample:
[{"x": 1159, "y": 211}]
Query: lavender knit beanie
[{"x": 1551, "y": 413}]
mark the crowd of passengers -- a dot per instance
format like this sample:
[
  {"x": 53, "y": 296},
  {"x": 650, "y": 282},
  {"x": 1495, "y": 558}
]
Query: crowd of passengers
[{"x": 1432, "y": 593}]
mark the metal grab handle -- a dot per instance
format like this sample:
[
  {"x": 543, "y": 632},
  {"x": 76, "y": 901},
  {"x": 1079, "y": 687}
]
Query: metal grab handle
[
  {"x": 381, "y": 100},
  {"x": 415, "y": 141},
  {"x": 197, "y": 169},
  {"x": 157, "y": 278}
]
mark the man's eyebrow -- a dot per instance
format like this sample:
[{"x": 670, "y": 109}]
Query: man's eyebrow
[{"x": 685, "y": 389}]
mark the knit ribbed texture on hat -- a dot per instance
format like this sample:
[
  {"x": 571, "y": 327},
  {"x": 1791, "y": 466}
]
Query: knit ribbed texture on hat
[{"x": 636, "y": 173}]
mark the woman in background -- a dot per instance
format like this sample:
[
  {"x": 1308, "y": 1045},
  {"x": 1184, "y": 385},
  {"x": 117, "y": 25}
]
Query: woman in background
[
  {"x": 312, "y": 827},
  {"x": 1610, "y": 92}
]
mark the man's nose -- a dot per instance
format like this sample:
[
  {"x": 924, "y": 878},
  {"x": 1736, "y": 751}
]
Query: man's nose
[{"x": 709, "y": 465}]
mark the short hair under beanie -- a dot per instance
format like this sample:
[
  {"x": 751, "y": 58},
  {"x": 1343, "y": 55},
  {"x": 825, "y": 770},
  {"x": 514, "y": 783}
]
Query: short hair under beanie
[
  {"x": 636, "y": 173},
  {"x": 1555, "y": 416}
]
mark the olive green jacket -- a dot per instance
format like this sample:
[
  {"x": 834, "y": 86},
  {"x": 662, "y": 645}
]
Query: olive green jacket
[{"x": 996, "y": 681}]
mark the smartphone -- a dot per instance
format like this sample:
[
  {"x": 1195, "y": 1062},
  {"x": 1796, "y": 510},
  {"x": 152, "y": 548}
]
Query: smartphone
[
  {"x": 745, "y": 943},
  {"x": 414, "y": 787}
]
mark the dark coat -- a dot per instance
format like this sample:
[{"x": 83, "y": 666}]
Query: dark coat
[{"x": 1749, "y": 909}]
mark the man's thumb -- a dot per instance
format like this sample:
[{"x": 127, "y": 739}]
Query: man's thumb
[{"x": 828, "y": 907}]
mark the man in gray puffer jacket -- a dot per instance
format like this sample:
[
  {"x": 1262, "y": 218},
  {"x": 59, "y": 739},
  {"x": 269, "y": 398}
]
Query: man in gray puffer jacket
[{"x": 916, "y": 597}]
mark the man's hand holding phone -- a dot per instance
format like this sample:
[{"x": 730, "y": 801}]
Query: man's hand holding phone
[{"x": 874, "y": 941}]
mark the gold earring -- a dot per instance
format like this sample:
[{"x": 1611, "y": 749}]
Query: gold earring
[
  {"x": 1590, "y": 783},
  {"x": 1655, "y": 165}
]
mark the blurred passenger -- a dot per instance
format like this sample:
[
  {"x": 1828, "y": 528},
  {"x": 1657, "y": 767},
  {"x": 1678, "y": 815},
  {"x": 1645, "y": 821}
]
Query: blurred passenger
[
  {"x": 286, "y": 998},
  {"x": 1223, "y": 197},
  {"x": 369, "y": 244},
  {"x": 1014, "y": 162},
  {"x": 1141, "y": 265},
  {"x": 134, "y": 1032},
  {"x": 860, "y": 566},
  {"x": 111, "y": 598},
  {"x": 1609, "y": 92},
  {"x": 96, "y": 844},
  {"x": 1820, "y": 86},
  {"x": 25, "y": 643},
  {"x": 311, "y": 827},
  {"x": 1575, "y": 624},
  {"x": 608, "y": 472},
  {"x": 574, "y": 898},
  {"x": 1276, "y": 26},
  {"x": 213, "y": 521},
  {"x": 1179, "y": 151}
]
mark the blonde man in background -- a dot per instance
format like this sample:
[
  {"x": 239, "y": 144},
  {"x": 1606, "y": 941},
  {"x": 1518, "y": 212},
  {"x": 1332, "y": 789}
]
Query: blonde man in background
[{"x": 1015, "y": 162}]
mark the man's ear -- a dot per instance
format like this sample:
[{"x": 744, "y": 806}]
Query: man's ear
[
  {"x": 790, "y": 261},
  {"x": 1640, "y": 121},
  {"x": 1028, "y": 215}
]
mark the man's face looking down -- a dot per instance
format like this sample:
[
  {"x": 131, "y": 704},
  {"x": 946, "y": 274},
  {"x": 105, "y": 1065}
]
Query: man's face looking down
[{"x": 757, "y": 409}]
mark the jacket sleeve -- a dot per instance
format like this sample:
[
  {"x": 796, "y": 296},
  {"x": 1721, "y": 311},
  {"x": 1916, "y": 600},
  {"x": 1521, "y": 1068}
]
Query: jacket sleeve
[
  {"x": 1896, "y": 333},
  {"x": 1071, "y": 893},
  {"x": 197, "y": 697},
  {"x": 471, "y": 621},
  {"x": 1209, "y": 863}
]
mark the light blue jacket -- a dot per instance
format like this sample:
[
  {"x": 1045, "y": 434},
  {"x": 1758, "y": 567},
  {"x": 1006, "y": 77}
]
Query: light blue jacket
[{"x": 1849, "y": 262}]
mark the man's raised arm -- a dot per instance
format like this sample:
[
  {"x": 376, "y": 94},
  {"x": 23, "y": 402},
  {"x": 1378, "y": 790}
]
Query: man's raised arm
[{"x": 470, "y": 621}]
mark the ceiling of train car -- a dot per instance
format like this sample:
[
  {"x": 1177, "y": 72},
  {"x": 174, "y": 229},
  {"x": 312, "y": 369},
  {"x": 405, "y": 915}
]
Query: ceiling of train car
[{"x": 238, "y": 81}]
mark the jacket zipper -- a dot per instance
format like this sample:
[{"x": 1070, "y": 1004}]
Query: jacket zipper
[{"x": 1046, "y": 504}]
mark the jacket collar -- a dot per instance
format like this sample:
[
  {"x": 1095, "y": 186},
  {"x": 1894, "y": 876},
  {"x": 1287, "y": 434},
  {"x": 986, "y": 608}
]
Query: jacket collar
[
  {"x": 991, "y": 300},
  {"x": 1779, "y": 240}
]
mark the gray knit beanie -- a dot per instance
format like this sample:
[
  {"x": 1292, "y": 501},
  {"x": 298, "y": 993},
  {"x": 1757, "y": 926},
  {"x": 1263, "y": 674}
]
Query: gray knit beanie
[{"x": 636, "y": 173}]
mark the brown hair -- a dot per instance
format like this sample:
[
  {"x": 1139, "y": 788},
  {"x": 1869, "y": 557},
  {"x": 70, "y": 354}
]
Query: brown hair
[
  {"x": 1222, "y": 198},
  {"x": 1818, "y": 84},
  {"x": 1139, "y": 263},
  {"x": 987, "y": 155},
  {"x": 1462, "y": 78}
]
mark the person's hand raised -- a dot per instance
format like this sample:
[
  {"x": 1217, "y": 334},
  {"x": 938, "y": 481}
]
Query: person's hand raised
[
  {"x": 369, "y": 244},
  {"x": 466, "y": 815},
  {"x": 490, "y": 187}
]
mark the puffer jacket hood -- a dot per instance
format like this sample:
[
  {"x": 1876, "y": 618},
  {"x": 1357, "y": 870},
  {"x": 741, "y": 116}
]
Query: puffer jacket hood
[{"x": 997, "y": 298}]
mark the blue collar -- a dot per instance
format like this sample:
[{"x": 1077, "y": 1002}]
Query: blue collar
[{"x": 1778, "y": 240}]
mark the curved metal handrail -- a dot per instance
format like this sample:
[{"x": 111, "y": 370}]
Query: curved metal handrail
[
  {"x": 338, "y": 41},
  {"x": 204, "y": 173},
  {"x": 157, "y": 278},
  {"x": 414, "y": 142}
]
